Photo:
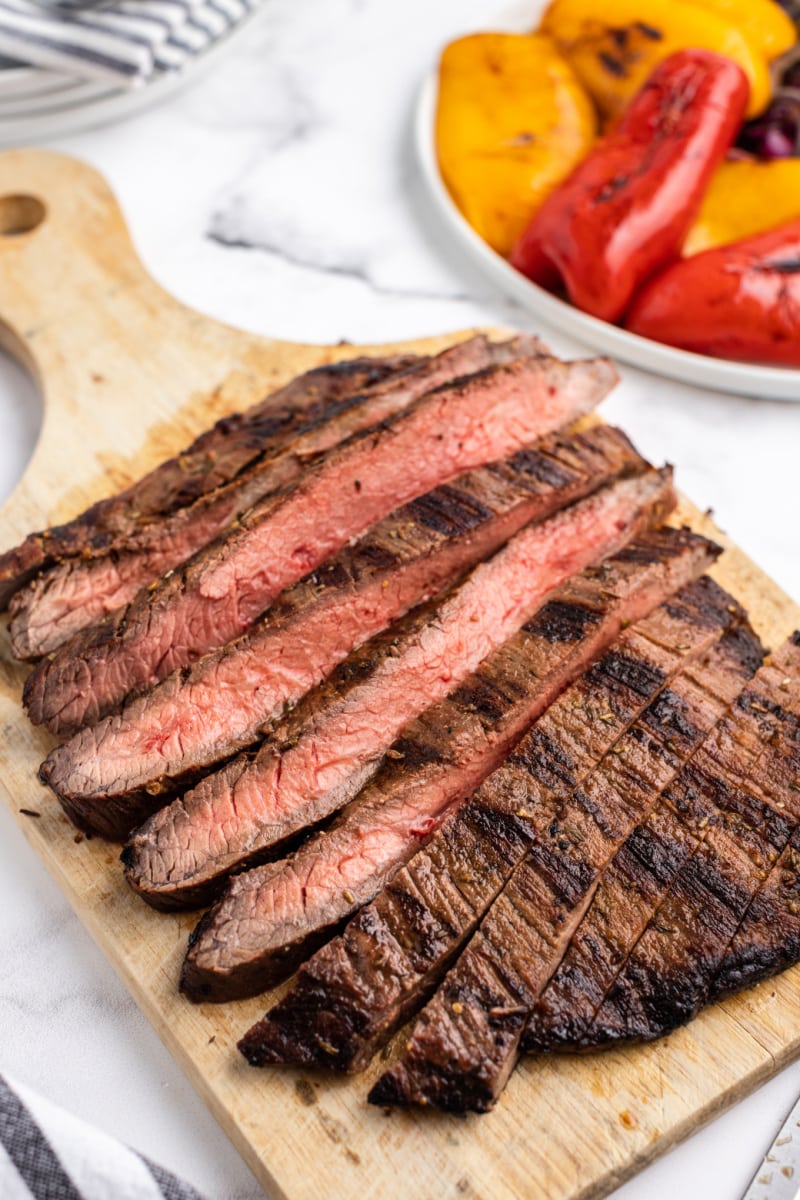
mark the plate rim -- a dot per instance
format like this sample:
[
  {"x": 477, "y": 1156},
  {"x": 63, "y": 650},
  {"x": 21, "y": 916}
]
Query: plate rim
[
  {"x": 115, "y": 103},
  {"x": 699, "y": 370}
]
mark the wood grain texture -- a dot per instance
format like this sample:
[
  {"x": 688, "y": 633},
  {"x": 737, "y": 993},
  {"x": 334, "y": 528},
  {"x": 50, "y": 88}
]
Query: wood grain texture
[{"x": 129, "y": 375}]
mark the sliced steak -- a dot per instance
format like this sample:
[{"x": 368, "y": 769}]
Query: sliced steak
[
  {"x": 467, "y": 1040},
  {"x": 352, "y": 995},
  {"x": 214, "y": 458},
  {"x": 223, "y": 590},
  {"x": 318, "y": 760},
  {"x": 768, "y": 938},
  {"x": 108, "y": 776},
  {"x": 627, "y": 895},
  {"x": 273, "y": 916},
  {"x": 745, "y": 820},
  {"x": 81, "y": 590}
]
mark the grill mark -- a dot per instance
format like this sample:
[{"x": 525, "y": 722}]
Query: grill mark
[
  {"x": 564, "y": 621},
  {"x": 744, "y": 651},
  {"x": 489, "y": 697},
  {"x": 376, "y": 556},
  {"x": 448, "y": 511},
  {"x": 577, "y": 990},
  {"x": 706, "y": 607},
  {"x": 631, "y": 672},
  {"x": 567, "y": 878},
  {"x": 761, "y": 706},
  {"x": 542, "y": 757},
  {"x": 541, "y": 468},
  {"x": 417, "y": 754},
  {"x": 644, "y": 853},
  {"x": 640, "y": 554},
  {"x": 490, "y": 822},
  {"x": 640, "y": 871},
  {"x": 667, "y": 717}
]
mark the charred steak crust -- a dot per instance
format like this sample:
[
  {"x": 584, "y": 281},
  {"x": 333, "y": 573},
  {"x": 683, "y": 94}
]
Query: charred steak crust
[
  {"x": 354, "y": 992},
  {"x": 204, "y": 715},
  {"x": 212, "y": 459},
  {"x": 738, "y": 804},
  {"x": 767, "y": 940},
  {"x": 269, "y": 918},
  {"x": 76, "y": 593},
  {"x": 326, "y": 750},
  {"x": 227, "y": 586},
  {"x": 626, "y": 895},
  {"x": 467, "y": 1040}
]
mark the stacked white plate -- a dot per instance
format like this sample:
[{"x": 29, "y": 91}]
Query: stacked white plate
[{"x": 36, "y": 103}]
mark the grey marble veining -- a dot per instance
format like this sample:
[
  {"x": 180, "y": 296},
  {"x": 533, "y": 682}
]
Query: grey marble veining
[{"x": 281, "y": 195}]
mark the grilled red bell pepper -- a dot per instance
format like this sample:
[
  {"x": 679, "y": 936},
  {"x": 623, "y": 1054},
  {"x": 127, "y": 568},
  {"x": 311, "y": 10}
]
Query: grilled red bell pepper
[
  {"x": 738, "y": 301},
  {"x": 623, "y": 212}
]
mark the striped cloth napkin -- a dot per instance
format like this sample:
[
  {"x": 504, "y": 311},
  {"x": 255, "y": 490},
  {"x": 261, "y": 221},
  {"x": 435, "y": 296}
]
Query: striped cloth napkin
[
  {"x": 124, "y": 42},
  {"x": 47, "y": 1154}
]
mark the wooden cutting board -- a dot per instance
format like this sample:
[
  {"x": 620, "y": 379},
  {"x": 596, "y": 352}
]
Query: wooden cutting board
[{"x": 128, "y": 376}]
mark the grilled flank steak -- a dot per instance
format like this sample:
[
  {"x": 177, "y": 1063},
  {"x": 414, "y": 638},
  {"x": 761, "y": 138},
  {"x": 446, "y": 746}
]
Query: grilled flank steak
[
  {"x": 214, "y": 458},
  {"x": 315, "y": 762},
  {"x": 467, "y": 1040},
  {"x": 457, "y": 718},
  {"x": 79, "y": 591},
  {"x": 729, "y": 819},
  {"x": 113, "y": 773},
  {"x": 216, "y": 596},
  {"x": 351, "y": 996},
  {"x": 273, "y": 916}
]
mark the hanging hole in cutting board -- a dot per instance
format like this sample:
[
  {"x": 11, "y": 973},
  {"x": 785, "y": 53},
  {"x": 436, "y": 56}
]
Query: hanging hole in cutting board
[{"x": 20, "y": 215}]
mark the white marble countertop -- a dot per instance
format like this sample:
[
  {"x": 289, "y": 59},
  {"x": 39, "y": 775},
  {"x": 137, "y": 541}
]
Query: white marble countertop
[{"x": 281, "y": 195}]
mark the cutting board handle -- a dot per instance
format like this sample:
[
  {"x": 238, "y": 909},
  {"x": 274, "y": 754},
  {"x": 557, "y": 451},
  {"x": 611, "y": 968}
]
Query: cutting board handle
[
  {"x": 128, "y": 374},
  {"x": 69, "y": 271}
]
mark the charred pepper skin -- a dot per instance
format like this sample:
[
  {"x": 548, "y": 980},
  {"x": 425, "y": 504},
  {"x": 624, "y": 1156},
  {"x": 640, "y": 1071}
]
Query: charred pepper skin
[
  {"x": 624, "y": 211},
  {"x": 740, "y": 301},
  {"x": 614, "y": 46}
]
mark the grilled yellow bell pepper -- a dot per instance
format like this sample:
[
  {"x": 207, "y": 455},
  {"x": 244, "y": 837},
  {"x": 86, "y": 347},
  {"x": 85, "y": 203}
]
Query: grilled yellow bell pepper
[
  {"x": 745, "y": 198},
  {"x": 766, "y": 26},
  {"x": 512, "y": 121},
  {"x": 615, "y": 45}
]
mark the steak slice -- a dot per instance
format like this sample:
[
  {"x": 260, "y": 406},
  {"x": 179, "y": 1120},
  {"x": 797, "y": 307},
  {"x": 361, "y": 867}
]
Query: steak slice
[
  {"x": 109, "y": 776},
  {"x": 768, "y": 938},
  {"x": 81, "y": 590},
  {"x": 273, "y": 916},
  {"x": 223, "y": 589},
  {"x": 743, "y": 818},
  {"x": 639, "y": 877},
  {"x": 214, "y": 458},
  {"x": 467, "y": 1040},
  {"x": 351, "y": 996},
  {"x": 321, "y": 757}
]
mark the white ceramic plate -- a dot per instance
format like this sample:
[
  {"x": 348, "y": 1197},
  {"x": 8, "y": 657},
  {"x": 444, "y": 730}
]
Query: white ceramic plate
[
  {"x": 36, "y": 105},
  {"x": 775, "y": 383}
]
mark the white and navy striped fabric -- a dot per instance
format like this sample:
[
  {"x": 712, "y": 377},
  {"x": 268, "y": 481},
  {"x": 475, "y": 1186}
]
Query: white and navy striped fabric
[
  {"x": 47, "y": 1154},
  {"x": 126, "y": 42}
]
